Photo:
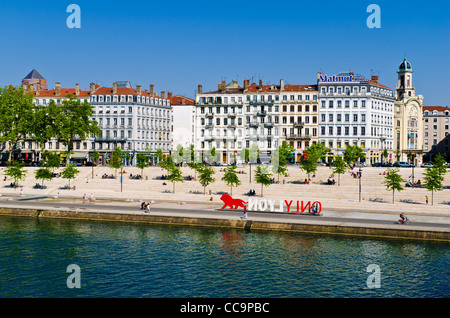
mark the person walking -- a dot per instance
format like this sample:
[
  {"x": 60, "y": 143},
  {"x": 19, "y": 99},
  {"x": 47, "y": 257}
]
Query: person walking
[
  {"x": 84, "y": 198},
  {"x": 148, "y": 207},
  {"x": 426, "y": 199}
]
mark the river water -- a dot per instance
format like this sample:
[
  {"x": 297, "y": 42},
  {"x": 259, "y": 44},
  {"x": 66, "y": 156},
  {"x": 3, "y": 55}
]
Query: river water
[{"x": 123, "y": 260}]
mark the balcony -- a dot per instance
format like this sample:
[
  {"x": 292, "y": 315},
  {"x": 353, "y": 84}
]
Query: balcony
[
  {"x": 231, "y": 115},
  {"x": 268, "y": 124},
  {"x": 110, "y": 139},
  {"x": 299, "y": 137},
  {"x": 209, "y": 115},
  {"x": 298, "y": 124},
  {"x": 261, "y": 113},
  {"x": 209, "y": 126},
  {"x": 254, "y": 124}
]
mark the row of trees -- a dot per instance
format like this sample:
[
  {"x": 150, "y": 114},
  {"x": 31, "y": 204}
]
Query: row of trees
[
  {"x": 432, "y": 180},
  {"x": 21, "y": 119}
]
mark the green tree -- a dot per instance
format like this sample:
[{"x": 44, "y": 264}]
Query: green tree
[
  {"x": 286, "y": 150},
  {"x": 262, "y": 176},
  {"x": 440, "y": 164},
  {"x": 73, "y": 120},
  {"x": 253, "y": 153},
  {"x": 52, "y": 160},
  {"x": 205, "y": 176},
  {"x": 353, "y": 154},
  {"x": 95, "y": 156},
  {"x": 116, "y": 160},
  {"x": 279, "y": 162},
  {"x": 212, "y": 156},
  {"x": 231, "y": 178},
  {"x": 70, "y": 172},
  {"x": 167, "y": 164},
  {"x": 16, "y": 116},
  {"x": 142, "y": 162},
  {"x": 174, "y": 175},
  {"x": 16, "y": 172},
  {"x": 309, "y": 165},
  {"x": 385, "y": 155},
  {"x": 43, "y": 173},
  {"x": 339, "y": 167},
  {"x": 393, "y": 181},
  {"x": 159, "y": 155},
  {"x": 433, "y": 181}
]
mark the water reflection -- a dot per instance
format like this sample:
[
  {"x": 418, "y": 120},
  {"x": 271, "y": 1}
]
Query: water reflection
[{"x": 120, "y": 260}]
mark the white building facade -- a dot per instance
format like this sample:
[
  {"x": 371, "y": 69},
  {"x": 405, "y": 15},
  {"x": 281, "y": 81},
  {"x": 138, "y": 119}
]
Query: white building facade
[
  {"x": 356, "y": 111},
  {"x": 133, "y": 119}
]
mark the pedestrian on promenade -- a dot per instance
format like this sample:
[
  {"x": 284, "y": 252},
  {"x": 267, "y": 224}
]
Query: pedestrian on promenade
[
  {"x": 426, "y": 199},
  {"x": 84, "y": 198},
  {"x": 92, "y": 197},
  {"x": 148, "y": 207},
  {"x": 143, "y": 205},
  {"x": 21, "y": 191},
  {"x": 244, "y": 217}
]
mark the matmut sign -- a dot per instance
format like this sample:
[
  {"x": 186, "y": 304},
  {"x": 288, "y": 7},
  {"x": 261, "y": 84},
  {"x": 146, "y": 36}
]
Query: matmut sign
[
  {"x": 341, "y": 78},
  {"x": 279, "y": 205}
]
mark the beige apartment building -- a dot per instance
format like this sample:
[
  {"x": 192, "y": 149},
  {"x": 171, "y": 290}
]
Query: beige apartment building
[{"x": 436, "y": 132}]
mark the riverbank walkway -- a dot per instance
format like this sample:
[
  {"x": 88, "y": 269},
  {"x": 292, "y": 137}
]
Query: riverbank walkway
[{"x": 340, "y": 204}]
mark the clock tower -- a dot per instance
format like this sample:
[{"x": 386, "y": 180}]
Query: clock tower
[{"x": 408, "y": 118}]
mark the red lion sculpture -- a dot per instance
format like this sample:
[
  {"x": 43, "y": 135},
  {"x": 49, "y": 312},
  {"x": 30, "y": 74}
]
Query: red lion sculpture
[{"x": 232, "y": 203}]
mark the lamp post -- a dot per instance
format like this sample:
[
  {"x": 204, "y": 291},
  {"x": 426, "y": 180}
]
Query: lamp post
[{"x": 360, "y": 176}]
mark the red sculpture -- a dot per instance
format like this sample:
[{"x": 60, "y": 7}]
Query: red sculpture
[{"x": 232, "y": 203}]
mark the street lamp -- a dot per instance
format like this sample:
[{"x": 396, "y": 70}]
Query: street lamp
[{"x": 360, "y": 176}]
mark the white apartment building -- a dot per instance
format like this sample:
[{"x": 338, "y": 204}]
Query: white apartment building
[
  {"x": 184, "y": 120},
  {"x": 356, "y": 111},
  {"x": 262, "y": 118},
  {"x": 133, "y": 119},
  {"x": 220, "y": 123}
]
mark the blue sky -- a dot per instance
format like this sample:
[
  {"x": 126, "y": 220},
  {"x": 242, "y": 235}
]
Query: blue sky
[{"x": 177, "y": 45}]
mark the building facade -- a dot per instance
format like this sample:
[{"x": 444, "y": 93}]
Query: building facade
[
  {"x": 220, "y": 123},
  {"x": 355, "y": 111},
  {"x": 408, "y": 117},
  {"x": 31, "y": 149},
  {"x": 184, "y": 120},
  {"x": 133, "y": 119},
  {"x": 436, "y": 132}
]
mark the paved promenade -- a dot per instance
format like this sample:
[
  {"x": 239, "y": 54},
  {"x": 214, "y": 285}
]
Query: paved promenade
[
  {"x": 341, "y": 206},
  {"x": 344, "y": 198}
]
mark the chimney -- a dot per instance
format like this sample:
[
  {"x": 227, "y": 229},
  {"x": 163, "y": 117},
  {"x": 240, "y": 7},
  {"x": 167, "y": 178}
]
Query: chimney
[
  {"x": 163, "y": 94},
  {"x": 169, "y": 95},
  {"x": 281, "y": 84},
  {"x": 246, "y": 83},
  {"x": 223, "y": 86},
  {"x": 152, "y": 90},
  {"x": 77, "y": 89},
  {"x": 38, "y": 89},
  {"x": 260, "y": 83},
  {"x": 115, "y": 88},
  {"x": 375, "y": 79},
  {"x": 92, "y": 88},
  {"x": 139, "y": 89},
  {"x": 57, "y": 88},
  {"x": 200, "y": 89},
  {"x": 318, "y": 75}
]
